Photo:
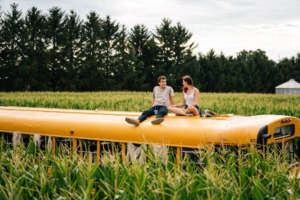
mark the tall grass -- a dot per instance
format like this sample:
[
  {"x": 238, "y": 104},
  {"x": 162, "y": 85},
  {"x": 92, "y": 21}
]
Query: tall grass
[
  {"x": 235, "y": 103},
  {"x": 28, "y": 174}
]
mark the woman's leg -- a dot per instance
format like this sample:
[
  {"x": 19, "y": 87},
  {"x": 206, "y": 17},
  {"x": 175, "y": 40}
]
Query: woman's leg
[
  {"x": 178, "y": 111},
  {"x": 193, "y": 110}
]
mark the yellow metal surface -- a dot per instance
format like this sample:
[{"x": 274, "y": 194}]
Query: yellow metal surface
[{"x": 179, "y": 131}]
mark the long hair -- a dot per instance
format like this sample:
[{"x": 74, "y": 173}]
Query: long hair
[{"x": 189, "y": 80}]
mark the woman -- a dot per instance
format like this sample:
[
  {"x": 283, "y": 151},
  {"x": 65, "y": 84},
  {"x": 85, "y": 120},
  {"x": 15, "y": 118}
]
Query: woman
[{"x": 189, "y": 101}]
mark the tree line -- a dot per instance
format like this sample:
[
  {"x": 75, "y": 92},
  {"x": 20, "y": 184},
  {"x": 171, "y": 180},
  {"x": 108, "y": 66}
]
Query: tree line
[{"x": 57, "y": 51}]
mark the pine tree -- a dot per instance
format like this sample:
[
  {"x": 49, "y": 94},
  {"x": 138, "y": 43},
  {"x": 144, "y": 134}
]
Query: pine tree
[
  {"x": 123, "y": 69},
  {"x": 37, "y": 76},
  {"x": 90, "y": 76},
  {"x": 71, "y": 50},
  {"x": 11, "y": 41},
  {"x": 56, "y": 37},
  {"x": 176, "y": 51},
  {"x": 164, "y": 37},
  {"x": 109, "y": 42},
  {"x": 143, "y": 50}
]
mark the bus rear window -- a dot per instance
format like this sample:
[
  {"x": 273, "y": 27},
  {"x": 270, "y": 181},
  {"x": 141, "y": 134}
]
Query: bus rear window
[{"x": 284, "y": 131}]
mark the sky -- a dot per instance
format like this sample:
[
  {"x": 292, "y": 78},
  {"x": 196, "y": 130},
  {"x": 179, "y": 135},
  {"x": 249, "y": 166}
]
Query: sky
[{"x": 226, "y": 26}]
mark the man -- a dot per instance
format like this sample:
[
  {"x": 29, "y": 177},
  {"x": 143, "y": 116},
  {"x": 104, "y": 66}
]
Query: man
[{"x": 162, "y": 96}]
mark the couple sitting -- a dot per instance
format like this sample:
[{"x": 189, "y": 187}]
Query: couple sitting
[{"x": 164, "y": 94}]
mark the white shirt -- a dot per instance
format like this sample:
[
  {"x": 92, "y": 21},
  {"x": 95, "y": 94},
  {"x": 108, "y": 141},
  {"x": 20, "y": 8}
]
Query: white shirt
[
  {"x": 189, "y": 99},
  {"x": 162, "y": 96}
]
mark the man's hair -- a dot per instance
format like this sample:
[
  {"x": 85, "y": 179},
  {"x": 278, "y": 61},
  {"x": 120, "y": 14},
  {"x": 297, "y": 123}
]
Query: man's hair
[{"x": 161, "y": 78}]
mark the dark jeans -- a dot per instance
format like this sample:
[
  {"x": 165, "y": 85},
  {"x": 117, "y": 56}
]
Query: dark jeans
[{"x": 161, "y": 112}]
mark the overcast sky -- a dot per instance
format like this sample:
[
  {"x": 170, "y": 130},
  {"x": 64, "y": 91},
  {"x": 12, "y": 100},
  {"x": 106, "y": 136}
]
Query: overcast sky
[{"x": 227, "y": 26}]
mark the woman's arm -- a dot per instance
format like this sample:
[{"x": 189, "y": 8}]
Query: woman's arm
[
  {"x": 196, "y": 99},
  {"x": 180, "y": 104}
]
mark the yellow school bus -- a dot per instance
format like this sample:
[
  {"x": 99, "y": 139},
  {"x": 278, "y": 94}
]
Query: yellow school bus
[{"x": 184, "y": 134}]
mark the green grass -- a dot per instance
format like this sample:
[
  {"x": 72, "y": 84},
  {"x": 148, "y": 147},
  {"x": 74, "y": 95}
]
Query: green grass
[
  {"x": 33, "y": 174},
  {"x": 29, "y": 173},
  {"x": 235, "y": 103}
]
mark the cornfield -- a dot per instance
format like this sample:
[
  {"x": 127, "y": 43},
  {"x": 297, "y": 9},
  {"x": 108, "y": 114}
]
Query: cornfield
[
  {"x": 28, "y": 172},
  {"x": 235, "y": 103}
]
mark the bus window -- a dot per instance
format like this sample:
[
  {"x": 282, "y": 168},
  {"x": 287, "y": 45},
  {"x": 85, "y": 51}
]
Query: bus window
[
  {"x": 87, "y": 148},
  {"x": 64, "y": 143},
  {"x": 293, "y": 150},
  {"x": 297, "y": 148},
  {"x": 136, "y": 152},
  {"x": 6, "y": 139},
  {"x": 284, "y": 131},
  {"x": 289, "y": 149},
  {"x": 196, "y": 156}
]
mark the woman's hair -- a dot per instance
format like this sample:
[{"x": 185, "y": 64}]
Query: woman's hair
[{"x": 189, "y": 80}]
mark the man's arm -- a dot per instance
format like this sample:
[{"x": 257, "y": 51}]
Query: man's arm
[{"x": 172, "y": 100}]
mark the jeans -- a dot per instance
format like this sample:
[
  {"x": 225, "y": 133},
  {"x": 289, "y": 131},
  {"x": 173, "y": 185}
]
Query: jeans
[{"x": 161, "y": 112}]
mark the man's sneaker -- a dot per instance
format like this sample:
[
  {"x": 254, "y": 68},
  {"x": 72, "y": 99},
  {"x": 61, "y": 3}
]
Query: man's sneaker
[
  {"x": 132, "y": 121},
  {"x": 157, "y": 120}
]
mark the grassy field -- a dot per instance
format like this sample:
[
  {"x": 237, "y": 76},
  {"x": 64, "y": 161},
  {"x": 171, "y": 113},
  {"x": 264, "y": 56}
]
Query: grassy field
[
  {"x": 29, "y": 173},
  {"x": 234, "y": 103}
]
